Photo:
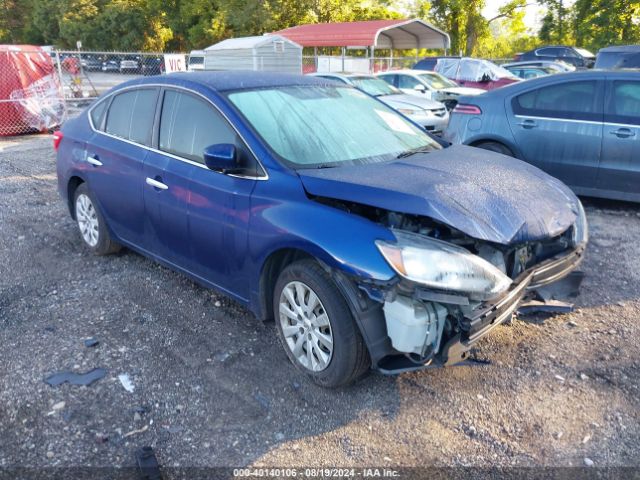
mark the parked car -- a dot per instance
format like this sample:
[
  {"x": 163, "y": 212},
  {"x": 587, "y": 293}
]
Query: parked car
[
  {"x": 555, "y": 67},
  {"x": 195, "y": 62},
  {"x": 111, "y": 65},
  {"x": 431, "y": 115},
  {"x": 90, "y": 63},
  {"x": 526, "y": 73},
  {"x": 581, "y": 127},
  {"x": 152, "y": 66},
  {"x": 130, "y": 65},
  {"x": 469, "y": 72},
  {"x": 365, "y": 238},
  {"x": 578, "y": 57},
  {"x": 621, "y": 56},
  {"x": 428, "y": 84}
]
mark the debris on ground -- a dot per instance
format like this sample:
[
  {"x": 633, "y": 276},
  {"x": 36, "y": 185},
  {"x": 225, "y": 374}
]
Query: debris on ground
[
  {"x": 126, "y": 382},
  {"x": 148, "y": 464},
  {"x": 91, "y": 342},
  {"x": 84, "y": 379},
  {"x": 135, "y": 432}
]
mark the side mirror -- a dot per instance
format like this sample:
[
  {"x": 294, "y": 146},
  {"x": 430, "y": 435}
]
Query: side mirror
[
  {"x": 420, "y": 88},
  {"x": 221, "y": 157}
]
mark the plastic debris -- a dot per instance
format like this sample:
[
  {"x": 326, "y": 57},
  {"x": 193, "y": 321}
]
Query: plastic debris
[
  {"x": 126, "y": 382},
  {"x": 134, "y": 432},
  {"x": 85, "y": 379},
  {"x": 148, "y": 464},
  {"x": 91, "y": 342}
]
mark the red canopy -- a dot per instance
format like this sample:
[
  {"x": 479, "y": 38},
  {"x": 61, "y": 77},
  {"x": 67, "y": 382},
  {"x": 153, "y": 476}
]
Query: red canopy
[
  {"x": 30, "y": 93},
  {"x": 397, "y": 34}
]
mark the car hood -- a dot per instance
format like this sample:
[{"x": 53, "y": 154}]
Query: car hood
[
  {"x": 463, "y": 90},
  {"x": 486, "y": 195},
  {"x": 404, "y": 100}
]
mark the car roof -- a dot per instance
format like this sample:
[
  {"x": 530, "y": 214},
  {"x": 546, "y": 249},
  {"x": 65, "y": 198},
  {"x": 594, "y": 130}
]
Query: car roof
[
  {"x": 621, "y": 49},
  {"x": 231, "y": 80}
]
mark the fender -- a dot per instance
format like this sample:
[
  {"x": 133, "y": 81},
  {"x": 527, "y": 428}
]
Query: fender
[{"x": 293, "y": 221}]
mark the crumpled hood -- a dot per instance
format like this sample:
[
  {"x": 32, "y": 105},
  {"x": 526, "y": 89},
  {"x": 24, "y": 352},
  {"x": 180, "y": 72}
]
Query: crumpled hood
[{"x": 486, "y": 195}]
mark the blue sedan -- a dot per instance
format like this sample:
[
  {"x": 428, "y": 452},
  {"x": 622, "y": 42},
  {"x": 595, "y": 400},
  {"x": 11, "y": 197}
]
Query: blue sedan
[{"x": 368, "y": 241}]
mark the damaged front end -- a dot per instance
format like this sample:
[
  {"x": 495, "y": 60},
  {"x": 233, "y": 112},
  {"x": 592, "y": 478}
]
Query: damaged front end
[{"x": 451, "y": 289}]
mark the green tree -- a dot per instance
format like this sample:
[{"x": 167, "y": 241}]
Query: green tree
[{"x": 598, "y": 23}]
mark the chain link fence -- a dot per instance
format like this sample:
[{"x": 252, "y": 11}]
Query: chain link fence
[{"x": 31, "y": 96}]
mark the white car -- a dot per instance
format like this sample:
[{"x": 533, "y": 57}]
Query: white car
[
  {"x": 196, "y": 61},
  {"x": 428, "y": 84},
  {"x": 432, "y": 115}
]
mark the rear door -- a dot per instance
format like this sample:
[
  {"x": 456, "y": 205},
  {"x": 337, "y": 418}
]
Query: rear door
[
  {"x": 558, "y": 128},
  {"x": 620, "y": 164},
  {"x": 116, "y": 154}
]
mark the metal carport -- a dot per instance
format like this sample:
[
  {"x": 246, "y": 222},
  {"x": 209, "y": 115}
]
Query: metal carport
[{"x": 402, "y": 34}]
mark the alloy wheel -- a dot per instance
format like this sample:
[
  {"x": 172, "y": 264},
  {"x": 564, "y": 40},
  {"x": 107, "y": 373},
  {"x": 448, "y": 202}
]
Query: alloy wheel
[
  {"x": 305, "y": 326},
  {"x": 87, "y": 219}
]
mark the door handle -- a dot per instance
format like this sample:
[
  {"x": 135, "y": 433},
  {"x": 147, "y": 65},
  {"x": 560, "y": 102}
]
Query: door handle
[
  {"x": 156, "y": 184},
  {"x": 94, "y": 161},
  {"x": 623, "y": 133},
  {"x": 528, "y": 124}
]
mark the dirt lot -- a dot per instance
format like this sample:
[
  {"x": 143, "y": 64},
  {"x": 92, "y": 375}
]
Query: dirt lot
[{"x": 216, "y": 388}]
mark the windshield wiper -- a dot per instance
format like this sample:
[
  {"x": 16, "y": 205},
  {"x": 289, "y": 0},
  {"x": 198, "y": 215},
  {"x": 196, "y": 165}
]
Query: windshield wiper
[
  {"x": 413, "y": 151},
  {"x": 326, "y": 165}
]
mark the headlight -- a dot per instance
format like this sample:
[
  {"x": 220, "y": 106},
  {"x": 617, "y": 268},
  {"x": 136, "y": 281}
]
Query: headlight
[
  {"x": 443, "y": 266},
  {"x": 410, "y": 111},
  {"x": 580, "y": 228}
]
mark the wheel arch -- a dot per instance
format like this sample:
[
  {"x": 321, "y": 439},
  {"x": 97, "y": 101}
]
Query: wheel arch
[
  {"x": 72, "y": 185},
  {"x": 474, "y": 142}
]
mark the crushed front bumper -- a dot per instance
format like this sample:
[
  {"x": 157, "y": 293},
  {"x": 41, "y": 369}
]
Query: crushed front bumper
[{"x": 491, "y": 314}]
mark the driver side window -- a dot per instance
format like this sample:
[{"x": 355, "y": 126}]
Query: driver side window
[
  {"x": 189, "y": 124},
  {"x": 405, "y": 81}
]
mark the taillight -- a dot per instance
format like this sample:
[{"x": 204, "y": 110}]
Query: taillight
[
  {"x": 57, "y": 138},
  {"x": 467, "y": 109}
]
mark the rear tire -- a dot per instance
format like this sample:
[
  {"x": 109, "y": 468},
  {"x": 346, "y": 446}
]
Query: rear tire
[
  {"x": 496, "y": 147},
  {"x": 316, "y": 327},
  {"x": 91, "y": 223}
]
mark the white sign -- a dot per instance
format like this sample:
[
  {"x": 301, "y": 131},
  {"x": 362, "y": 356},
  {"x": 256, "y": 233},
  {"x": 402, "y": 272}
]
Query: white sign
[
  {"x": 175, "y": 62},
  {"x": 79, "y": 44}
]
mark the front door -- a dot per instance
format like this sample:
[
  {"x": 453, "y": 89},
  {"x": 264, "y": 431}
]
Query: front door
[
  {"x": 558, "y": 128},
  {"x": 200, "y": 221},
  {"x": 620, "y": 165}
]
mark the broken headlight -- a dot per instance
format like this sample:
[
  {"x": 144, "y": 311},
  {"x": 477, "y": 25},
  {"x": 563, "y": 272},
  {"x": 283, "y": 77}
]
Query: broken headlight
[
  {"x": 443, "y": 266},
  {"x": 580, "y": 228}
]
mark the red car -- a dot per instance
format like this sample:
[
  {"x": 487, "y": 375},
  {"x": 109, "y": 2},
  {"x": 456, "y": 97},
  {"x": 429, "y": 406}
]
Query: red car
[{"x": 469, "y": 72}]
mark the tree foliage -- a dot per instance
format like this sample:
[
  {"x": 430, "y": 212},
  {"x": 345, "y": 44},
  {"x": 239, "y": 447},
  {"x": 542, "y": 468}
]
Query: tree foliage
[{"x": 182, "y": 25}]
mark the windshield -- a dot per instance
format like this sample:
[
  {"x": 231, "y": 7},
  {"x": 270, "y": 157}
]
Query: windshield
[
  {"x": 373, "y": 86},
  {"x": 317, "y": 126},
  {"x": 436, "y": 81},
  {"x": 585, "y": 53}
]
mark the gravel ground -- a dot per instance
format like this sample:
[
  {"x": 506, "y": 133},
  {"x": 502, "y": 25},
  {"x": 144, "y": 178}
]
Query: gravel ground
[{"x": 214, "y": 388}]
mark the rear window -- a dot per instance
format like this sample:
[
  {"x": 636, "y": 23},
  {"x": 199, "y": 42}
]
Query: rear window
[
  {"x": 618, "y": 60},
  {"x": 97, "y": 113},
  {"x": 131, "y": 115},
  {"x": 571, "y": 100}
]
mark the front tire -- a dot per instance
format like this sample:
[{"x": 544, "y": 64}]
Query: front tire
[
  {"x": 93, "y": 228},
  {"x": 316, "y": 327}
]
